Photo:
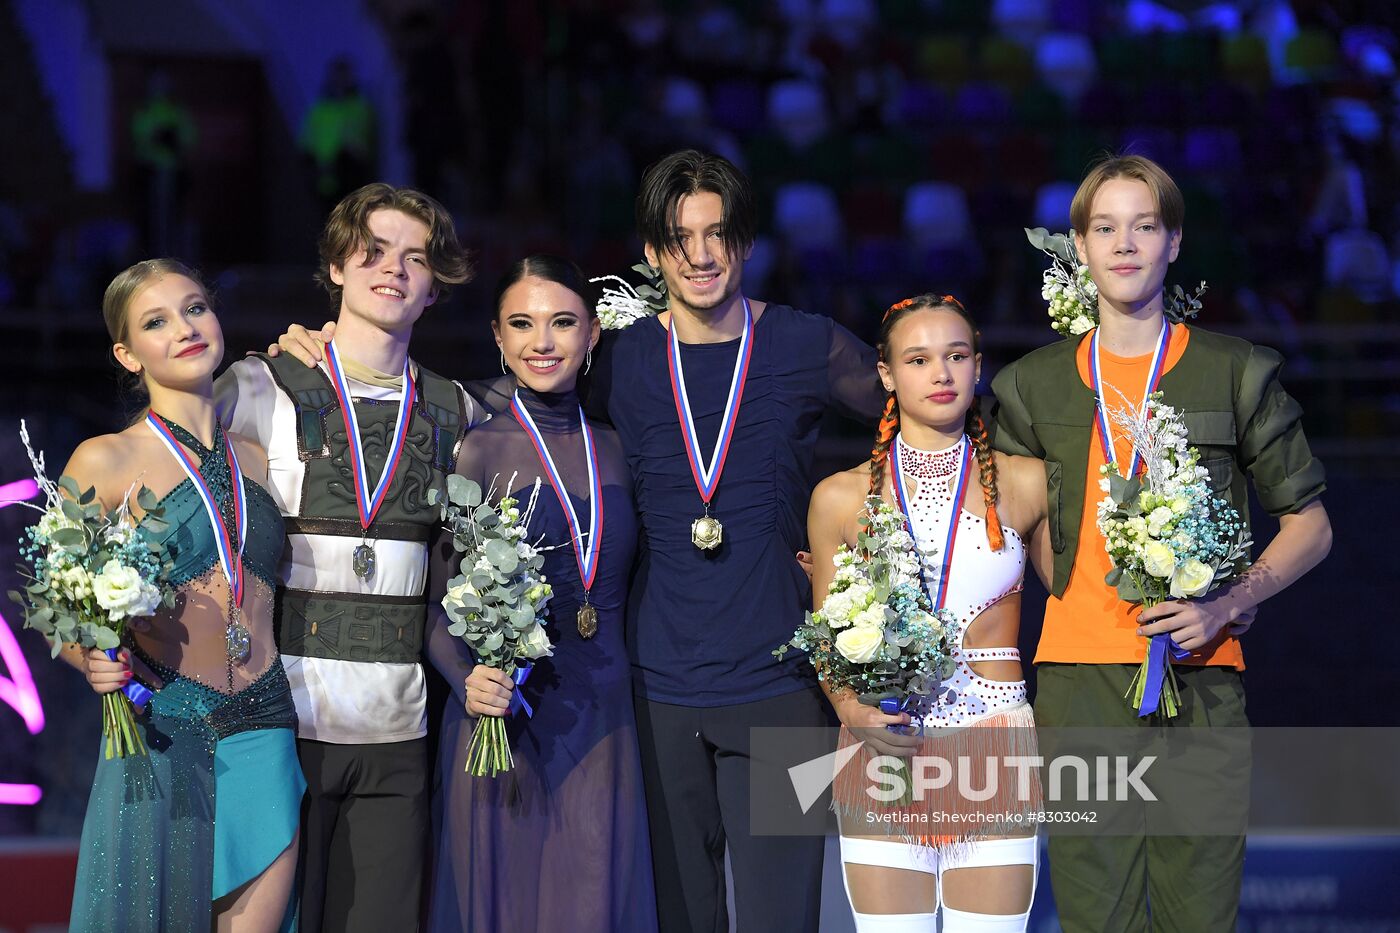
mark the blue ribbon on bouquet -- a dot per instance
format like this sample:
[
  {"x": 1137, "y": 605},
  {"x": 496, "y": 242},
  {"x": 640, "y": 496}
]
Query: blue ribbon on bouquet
[
  {"x": 517, "y": 699},
  {"x": 138, "y": 694},
  {"x": 1157, "y": 649},
  {"x": 916, "y": 705}
]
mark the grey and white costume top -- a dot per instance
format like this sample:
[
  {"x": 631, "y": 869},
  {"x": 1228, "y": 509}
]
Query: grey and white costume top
[{"x": 351, "y": 647}]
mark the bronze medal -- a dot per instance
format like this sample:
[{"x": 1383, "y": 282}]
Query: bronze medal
[
  {"x": 587, "y": 621},
  {"x": 706, "y": 533}
]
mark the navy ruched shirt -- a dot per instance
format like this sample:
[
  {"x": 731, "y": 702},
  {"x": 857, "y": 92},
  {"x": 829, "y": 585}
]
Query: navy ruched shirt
[{"x": 702, "y": 625}]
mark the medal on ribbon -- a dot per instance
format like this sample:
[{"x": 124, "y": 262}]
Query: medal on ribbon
[
  {"x": 368, "y": 501},
  {"x": 587, "y": 544},
  {"x": 706, "y": 532},
  {"x": 229, "y": 544},
  {"x": 1154, "y": 376},
  {"x": 937, "y": 598}
]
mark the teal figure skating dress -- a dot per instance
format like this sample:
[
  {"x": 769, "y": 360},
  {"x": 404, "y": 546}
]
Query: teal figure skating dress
[{"x": 218, "y": 798}]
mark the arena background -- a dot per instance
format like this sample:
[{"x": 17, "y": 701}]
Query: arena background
[{"x": 897, "y": 146}]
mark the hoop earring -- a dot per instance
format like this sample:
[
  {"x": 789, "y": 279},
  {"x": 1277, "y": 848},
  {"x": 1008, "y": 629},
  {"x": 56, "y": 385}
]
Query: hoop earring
[
  {"x": 588, "y": 361},
  {"x": 504, "y": 367}
]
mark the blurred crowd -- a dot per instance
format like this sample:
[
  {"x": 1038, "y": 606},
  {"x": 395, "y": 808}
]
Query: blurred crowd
[{"x": 897, "y": 145}]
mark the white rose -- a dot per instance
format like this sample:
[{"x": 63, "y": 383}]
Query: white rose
[
  {"x": 536, "y": 643},
  {"x": 119, "y": 590},
  {"x": 860, "y": 645},
  {"x": 455, "y": 594},
  {"x": 1180, "y": 505},
  {"x": 1191, "y": 579},
  {"x": 1080, "y": 325},
  {"x": 1158, "y": 559}
]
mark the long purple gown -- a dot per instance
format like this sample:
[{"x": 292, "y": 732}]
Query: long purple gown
[{"x": 560, "y": 842}]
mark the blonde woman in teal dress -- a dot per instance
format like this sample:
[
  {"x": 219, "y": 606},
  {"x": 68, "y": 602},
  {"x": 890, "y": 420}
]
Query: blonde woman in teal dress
[{"x": 201, "y": 834}]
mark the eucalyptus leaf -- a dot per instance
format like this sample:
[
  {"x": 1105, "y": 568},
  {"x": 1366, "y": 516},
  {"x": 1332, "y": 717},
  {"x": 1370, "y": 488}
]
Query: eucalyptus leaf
[
  {"x": 55, "y": 646},
  {"x": 72, "y": 511},
  {"x": 1113, "y": 576},
  {"x": 502, "y": 555},
  {"x": 434, "y": 496},
  {"x": 146, "y": 499},
  {"x": 492, "y": 641},
  {"x": 457, "y": 629},
  {"x": 463, "y": 491},
  {"x": 105, "y": 638},
  {"x": 69, "y": 485},
  {"x": 1129, "y": 591},
  {"x": 68, "y": 537},
  {"x": 1117, "y": 487}
]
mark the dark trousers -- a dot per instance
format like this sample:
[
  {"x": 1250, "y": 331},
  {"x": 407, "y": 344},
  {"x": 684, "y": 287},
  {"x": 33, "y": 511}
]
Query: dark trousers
[
  {"x": 364, "y": 827},
  {"x": 1145, "y": 880},
  {"x": 699, "y": 768}
]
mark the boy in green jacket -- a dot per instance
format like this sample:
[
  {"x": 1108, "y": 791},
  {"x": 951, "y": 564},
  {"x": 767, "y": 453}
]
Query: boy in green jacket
[{"x": 1127, "y": 219}]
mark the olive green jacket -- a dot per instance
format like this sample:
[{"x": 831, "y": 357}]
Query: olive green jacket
[{"x": 1236, "y": 413}]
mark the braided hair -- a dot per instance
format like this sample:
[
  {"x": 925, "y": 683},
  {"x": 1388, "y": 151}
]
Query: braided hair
[{"x": 975, "y": 427}]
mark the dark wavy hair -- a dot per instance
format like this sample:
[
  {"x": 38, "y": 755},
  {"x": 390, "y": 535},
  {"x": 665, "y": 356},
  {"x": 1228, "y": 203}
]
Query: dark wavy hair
[{"x": 689, "y": 172}]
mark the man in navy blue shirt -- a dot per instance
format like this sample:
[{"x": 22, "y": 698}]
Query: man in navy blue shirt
[{"x": 718, "y": 402}]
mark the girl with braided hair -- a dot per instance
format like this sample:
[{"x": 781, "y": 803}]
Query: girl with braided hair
[{"x": 975, "y": 515}]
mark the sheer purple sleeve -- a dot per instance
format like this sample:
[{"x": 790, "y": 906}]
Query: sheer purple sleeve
[{"x": 855, "y": 385}]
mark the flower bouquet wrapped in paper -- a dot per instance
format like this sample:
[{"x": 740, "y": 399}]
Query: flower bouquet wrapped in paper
[
  {"x": 90, "y": 574},
  {"x": 496, "y": 603},
  {"x": 876, "y": 632},
  {"x": 1167, "y": 535}
]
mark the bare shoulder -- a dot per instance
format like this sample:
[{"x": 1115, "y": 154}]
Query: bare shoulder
[
  {"x": 1021, "y": 483},
  {"x": 1023, "y": 473},
  {"x": 842, "y": 493},
  {"x": 107, "y": 463}
]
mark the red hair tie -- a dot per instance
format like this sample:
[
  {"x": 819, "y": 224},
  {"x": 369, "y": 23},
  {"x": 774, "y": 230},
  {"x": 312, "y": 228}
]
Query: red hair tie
[{"x": 898, "y": 306}]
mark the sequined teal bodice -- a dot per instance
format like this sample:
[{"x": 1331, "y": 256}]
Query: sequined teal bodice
[{"x": 188, "y": 538}]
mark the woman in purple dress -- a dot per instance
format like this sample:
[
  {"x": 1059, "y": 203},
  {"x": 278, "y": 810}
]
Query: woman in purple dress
[{"x": 560, "y": 842}]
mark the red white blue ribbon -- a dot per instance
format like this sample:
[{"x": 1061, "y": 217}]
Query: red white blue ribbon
[
  {"x": 587, "y": 545},
  {"x": 230, "y": 556},
  {"x": 707, "y": 477},
  {"x": 940, "y": 598},
  {"x": 1154, "y": 376},
  {"x": 366, "y": 500}
]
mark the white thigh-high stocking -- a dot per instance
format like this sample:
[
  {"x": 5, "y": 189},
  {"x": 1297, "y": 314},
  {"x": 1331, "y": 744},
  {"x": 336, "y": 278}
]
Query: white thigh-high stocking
[
  {"x": 895, "y": 923},
  {"x": 962, "y": 921}
]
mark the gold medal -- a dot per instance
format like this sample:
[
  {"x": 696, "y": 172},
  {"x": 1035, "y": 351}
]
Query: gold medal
[
  {"x": 587, "y": 621},
  {"x": 706, "y": 533}
]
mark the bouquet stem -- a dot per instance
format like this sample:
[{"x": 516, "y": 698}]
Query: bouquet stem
[
  {"x": 488, "y": 753},
  {"x": 119, "y": 726},
  {"x": 1170, "y": 702},
  {"x": 906, "y": 798}
]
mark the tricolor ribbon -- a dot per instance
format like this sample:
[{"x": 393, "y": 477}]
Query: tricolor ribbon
[
  {"x": 707, "y": 477},
  {"x": 940, "y": 598},
  {"x": 230, "y": 556},
  {"x": 366, "y": 500},
  {"x": 1154, "y": 376},
  {"x": 1157, "y": 649},
  {"x": 517, "y": 699},
  {"x": 587, "y": 545},
  {"x": 138, "y": 694}
]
